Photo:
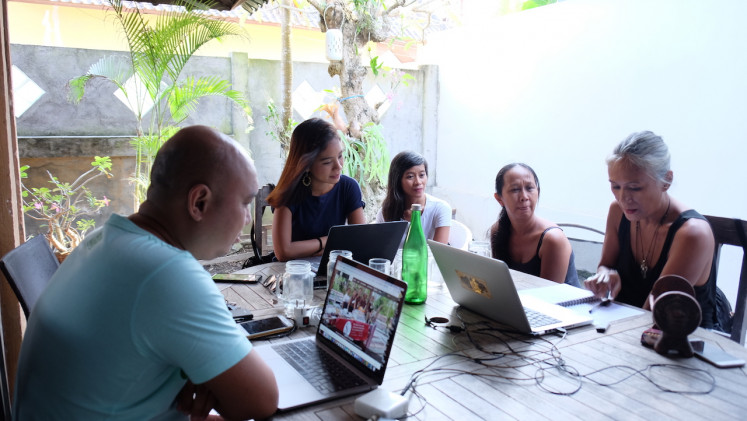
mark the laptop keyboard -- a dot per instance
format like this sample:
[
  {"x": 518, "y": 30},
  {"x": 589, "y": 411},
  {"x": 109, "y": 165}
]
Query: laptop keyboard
[
  {"x": 322, "y": 370},
  {"x": 537, "y": 319}
]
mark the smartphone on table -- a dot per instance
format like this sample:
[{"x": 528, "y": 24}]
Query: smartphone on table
[
  {"x": 246, "y": 278},
  {"x": 264, "y": 327},
  {"x": 713, "y": 354}
]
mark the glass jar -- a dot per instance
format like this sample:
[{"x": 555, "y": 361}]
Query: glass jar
[{"x": 298, "y": 285}]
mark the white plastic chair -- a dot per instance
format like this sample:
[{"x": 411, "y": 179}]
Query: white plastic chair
[{"x": 459, "y": 235}]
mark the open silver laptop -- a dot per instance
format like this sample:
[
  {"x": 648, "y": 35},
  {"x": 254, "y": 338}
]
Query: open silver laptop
[
  {"x": 355, "y": 334},
  {"x": 484, "y": 285}
]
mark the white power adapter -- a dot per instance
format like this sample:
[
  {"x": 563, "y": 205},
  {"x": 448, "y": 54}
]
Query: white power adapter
[{"x": 382, "y": 403}]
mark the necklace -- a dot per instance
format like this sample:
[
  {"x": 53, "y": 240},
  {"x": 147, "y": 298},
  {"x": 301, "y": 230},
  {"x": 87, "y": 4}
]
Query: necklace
[{"x": 647, "y": 256}]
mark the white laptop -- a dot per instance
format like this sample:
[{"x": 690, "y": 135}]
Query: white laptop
[
  {"x": 484, "y": 285},
  {"x": 356, "y": 331}
]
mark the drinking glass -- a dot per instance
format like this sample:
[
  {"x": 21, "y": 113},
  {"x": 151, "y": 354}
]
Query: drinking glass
[
  {"x": 480, "y": 247},
  {"x": 396, "y": 268},
  {"x": 333, "y": 258},
  {"x": 380, "y": 264}
]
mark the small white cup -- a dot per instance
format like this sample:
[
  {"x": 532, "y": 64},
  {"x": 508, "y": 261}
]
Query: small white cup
[{"x": 381, "y": 264}]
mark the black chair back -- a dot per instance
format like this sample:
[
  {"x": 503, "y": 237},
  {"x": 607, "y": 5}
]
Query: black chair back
[
  {"x": 28, "y": 268},
  {"x": 733, "y": 232},
  {"x": 260, "y": 203}
]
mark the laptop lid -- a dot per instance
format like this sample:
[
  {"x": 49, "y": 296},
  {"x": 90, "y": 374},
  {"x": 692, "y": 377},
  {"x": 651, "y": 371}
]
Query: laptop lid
[
  {"x": 484, "y": 285},
  {"x": 359, "y": 319},
  {"x": 360, "y": 316},
  {"x": 366, "y": 241}
]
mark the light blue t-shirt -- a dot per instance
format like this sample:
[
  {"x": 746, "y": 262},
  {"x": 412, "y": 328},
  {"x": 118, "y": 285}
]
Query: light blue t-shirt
[{"x": 124, "y": 319}]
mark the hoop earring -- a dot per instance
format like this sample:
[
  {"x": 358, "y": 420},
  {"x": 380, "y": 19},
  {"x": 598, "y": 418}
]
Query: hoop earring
[{"x": 306, "y": 180}]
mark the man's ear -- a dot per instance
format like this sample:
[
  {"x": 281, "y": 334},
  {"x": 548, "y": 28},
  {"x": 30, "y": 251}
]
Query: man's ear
[
  {"x": 198, "y": 200},
  {"x": 498, "y": 198}
]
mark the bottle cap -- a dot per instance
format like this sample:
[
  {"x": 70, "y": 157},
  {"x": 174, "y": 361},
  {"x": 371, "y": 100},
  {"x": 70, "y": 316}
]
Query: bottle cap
[{"x": 416, "y": 207}]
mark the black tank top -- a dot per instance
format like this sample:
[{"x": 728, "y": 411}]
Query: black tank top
[
  {"x": 534, "y": 265},
  {"x": 635, "y": 288}
]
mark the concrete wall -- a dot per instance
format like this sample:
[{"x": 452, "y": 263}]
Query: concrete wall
[
  {"x": 61, "y": 137},
  {"x": 559, "y": 86}
]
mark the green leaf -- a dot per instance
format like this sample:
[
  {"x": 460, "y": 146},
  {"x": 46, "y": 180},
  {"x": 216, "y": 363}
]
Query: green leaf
[{"x": 103, "y": 164}]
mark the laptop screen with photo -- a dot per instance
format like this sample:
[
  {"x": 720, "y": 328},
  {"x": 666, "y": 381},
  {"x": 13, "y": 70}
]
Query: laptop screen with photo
[{"x": 360, "y": 315}]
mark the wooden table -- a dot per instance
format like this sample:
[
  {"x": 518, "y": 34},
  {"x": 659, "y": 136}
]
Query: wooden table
[{"x": 513, "y": 388}]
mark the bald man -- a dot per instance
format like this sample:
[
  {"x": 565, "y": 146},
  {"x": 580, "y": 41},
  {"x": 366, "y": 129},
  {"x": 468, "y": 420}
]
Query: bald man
[{"x": 131, "y": 326}]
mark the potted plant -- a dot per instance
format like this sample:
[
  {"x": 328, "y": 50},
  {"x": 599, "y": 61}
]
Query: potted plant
[{"x": 62, "y": 206}]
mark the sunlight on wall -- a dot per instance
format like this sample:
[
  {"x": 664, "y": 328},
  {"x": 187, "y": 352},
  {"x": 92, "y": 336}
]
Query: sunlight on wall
[{"x": 559, "y": 86}]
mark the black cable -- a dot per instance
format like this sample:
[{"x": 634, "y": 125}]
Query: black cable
[{"x": 546, "y": 359}]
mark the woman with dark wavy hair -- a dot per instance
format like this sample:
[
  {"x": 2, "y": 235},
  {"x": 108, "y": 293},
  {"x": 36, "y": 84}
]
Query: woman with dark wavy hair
[
  {"x": 522, "y": 239},
  {"x": 408, "y": 176},
  {"x": 312, "y": 194}
]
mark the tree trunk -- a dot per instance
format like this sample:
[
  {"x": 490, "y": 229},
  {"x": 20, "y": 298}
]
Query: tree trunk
[
  {"x": 350, "y": 70},
  {"x": 286, "y": 64}
]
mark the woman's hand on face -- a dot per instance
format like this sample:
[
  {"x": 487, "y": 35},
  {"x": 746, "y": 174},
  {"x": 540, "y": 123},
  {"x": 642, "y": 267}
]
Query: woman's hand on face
[{"x": 605, "y": 283}]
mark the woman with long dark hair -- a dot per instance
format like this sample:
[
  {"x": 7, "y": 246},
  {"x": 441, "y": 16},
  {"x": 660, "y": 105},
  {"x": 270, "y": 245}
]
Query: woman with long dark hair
[
  {"x": 522, "y": 239},
  {"x": 312, "y": 194},
  {"x": 408, "y": 176}
]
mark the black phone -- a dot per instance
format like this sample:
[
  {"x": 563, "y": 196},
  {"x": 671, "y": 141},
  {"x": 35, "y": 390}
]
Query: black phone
[
  {"x": 265, "y": 327},
  {"x": 711, "y": 353},
  {"x": 246, "y": 278}
]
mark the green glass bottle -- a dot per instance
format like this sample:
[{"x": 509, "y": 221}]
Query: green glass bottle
[{"x": 415, "y": 260}]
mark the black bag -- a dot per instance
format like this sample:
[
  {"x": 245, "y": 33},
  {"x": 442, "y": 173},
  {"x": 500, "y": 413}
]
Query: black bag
[{"x": 257, "y": 259}]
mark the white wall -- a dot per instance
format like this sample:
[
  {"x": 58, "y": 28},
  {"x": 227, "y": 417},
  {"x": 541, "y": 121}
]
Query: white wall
[{"x": 559, "y": 86}]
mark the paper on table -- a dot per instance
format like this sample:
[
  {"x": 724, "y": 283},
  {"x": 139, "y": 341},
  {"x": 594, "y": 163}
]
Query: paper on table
[
  {"x": 581, "y": 301},
  {"x": 560, "y": 294},
  {"x": 604, "y": 315}
]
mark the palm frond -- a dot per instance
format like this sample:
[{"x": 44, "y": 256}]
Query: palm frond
[
  {"x": 186, "y": 95},
  {"x": 140, "y": 42},
  {"x": 113, "y": 68},
  {"x": 187, "y": 34}
]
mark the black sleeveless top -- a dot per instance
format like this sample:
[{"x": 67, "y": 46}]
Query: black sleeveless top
[
  {"x": 635, "y": 288},
  {"x": 534, "y": 265}
]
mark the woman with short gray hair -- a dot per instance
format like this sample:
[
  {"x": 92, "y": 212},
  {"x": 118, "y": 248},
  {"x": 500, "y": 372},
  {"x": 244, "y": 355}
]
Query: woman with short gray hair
[{"x": 650, "y": 234}]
